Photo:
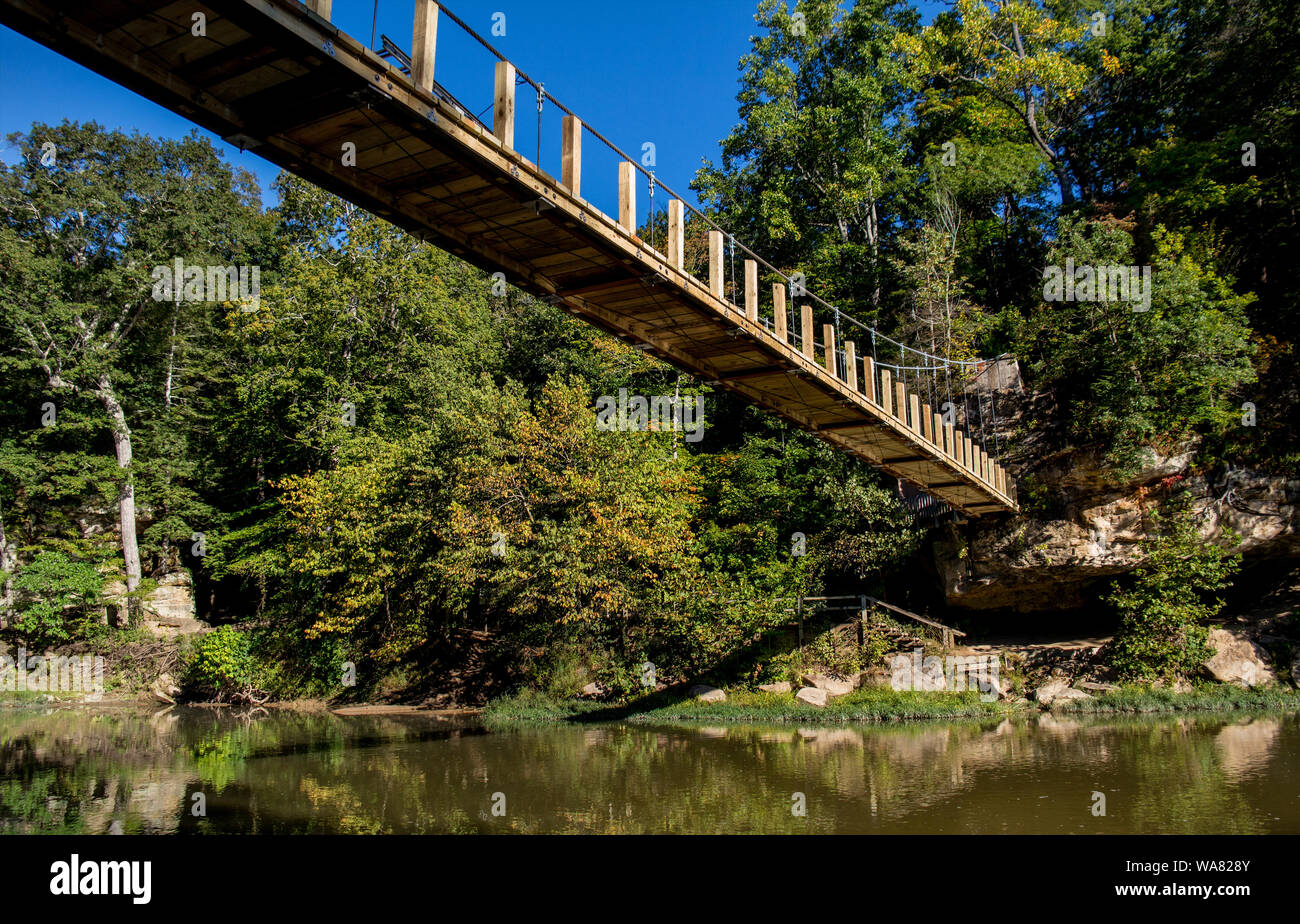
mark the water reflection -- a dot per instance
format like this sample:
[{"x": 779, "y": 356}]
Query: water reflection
[{"x": 76, "y": 772}]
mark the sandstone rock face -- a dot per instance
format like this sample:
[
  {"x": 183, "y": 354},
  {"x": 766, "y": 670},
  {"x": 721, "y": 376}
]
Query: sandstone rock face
[
  {"x": 781, "y": 686},
  {"x": 1238, "y": 660},
  {"x": 707, "y": 694},
  {"x": 812, "y": 696},
  {"x": 169, "y": 608},
  {"x": 1028, "y": 564},
  {"x": 173, "y": 598}
]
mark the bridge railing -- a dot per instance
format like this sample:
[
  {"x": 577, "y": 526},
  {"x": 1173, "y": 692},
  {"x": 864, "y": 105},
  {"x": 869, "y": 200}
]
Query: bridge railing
[{"x": 905, "y": 383}]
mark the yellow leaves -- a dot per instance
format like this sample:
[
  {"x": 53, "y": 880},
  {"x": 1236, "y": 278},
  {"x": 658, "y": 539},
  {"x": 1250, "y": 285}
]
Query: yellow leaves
[{"x": 1111, "y": 64}]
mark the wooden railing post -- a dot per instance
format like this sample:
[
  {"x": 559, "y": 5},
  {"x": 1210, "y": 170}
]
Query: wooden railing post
[
  {"x": 779, "y": 318},
  {"x": 806, "y": 332},
  {"x": 627, "y": 196},
  {"x": 869, "y": 375},
  {"x": 950, "y": 449},
  {"x": 751, "y": 290},
  {"x": 424, "y": 43},
  {"x": 900, "y": 402},
  {"x": 851, "y": 364},
  {"x": 936, "y": 431},
  {"x": 916, "y": 417},
  {"x": 571, "y": 154},
  {"x": 927, "y": 429},
  {"x": 676, "y": 234},
  {"x": 885, "y": 391},
  {"x": 828, "y": 341},
  {"x": 320, "y": 7},
  {"x": 503, "y": 109},
  {"x": 715, "y": 263}
]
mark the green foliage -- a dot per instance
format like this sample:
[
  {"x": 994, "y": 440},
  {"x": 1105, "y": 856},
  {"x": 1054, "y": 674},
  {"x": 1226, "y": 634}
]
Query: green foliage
[
  {"x": 56, "y": 599},
  {"x": 1151, "y": 378},
  {"x": 220, "y": 664},
  {"x": 1165, "y": 603}
]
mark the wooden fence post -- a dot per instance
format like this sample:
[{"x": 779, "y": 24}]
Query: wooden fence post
[
  {"x": 627, "y": 196},
  {"x": 503, "y": 107},
  {"x": 424, "y": 43},
  {"x": 715, "y": 263},
  {"x": 751, "y": 290},
  {"x": 779, "y": 318},
  {"x": 571, "y": 154}
]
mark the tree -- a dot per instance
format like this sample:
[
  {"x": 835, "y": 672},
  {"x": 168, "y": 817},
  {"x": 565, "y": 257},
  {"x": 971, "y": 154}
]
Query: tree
[
  {"x": 812, "y": 175},
  {"x": 1015, "y": 56},
  {"x": 82, "y": 233}
]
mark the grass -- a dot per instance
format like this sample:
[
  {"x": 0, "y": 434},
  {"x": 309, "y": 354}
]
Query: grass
[
  {"x": 870, "y": 706},
  {"x": 1216, "y": 698},
  {"x": 873, "y": 705}
]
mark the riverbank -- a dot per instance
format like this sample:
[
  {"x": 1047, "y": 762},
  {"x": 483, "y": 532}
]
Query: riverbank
[{"x": 875, "y": 706}]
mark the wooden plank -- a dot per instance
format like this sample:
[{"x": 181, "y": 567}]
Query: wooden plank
[
  {"x": 869, "y": 378},
  {"x": 320, "y": 7},
  {"x": 900, "y": 402},
  {"x": 627, "y": 196},
  {"x": 676, "y": 234},
  {"x": 851, "y": 364},
  {"x": 751, "y": 290},
  {"x": 936, "y": 431},
  {"x": 885, "y": 391},
  {"x": 503, "y": 107},
  {"x": 916, "y": 416},
  {"x": 571, "y": 154},
  {"x": 950, "y": 448},
  {"x": 806, "y": 330},
  {"x": 828, "y": 344},
  {"x": 779, "y": 318},
  {"x": 926, "y": 430},
  {"x": 424, "y": 43},
  {"x": 715, "y": 263}
]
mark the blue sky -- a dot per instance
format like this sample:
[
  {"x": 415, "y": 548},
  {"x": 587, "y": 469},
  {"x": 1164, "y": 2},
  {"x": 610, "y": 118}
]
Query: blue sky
[{"x": 664, "y": 73}]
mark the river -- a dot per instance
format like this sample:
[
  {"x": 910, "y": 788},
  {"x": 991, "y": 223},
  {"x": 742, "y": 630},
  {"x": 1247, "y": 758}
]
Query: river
[{"x": 217, "y": 771}]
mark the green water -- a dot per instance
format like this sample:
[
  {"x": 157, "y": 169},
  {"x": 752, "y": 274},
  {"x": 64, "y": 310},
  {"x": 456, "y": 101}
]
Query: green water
[{"x": 70, "y": 771}]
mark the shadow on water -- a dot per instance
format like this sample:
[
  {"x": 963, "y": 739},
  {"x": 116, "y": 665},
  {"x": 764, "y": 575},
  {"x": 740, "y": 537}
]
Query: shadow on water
[{"x": 199, "y": 771}]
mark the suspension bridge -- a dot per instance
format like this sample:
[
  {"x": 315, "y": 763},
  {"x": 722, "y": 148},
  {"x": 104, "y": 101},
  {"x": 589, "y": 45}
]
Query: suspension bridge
[{"x": 377, "y": 128}]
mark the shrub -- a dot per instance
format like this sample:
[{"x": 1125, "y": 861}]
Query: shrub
[
  {"x": 220, "y": 664},
  {"x": 56, "y": 599},
  {"x": 1164, "y": 604}
]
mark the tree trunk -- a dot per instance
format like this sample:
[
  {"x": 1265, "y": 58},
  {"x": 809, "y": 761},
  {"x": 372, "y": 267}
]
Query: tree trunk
[
  {"x": 8, "y": 559},
  {"x": 126, "y": 503}
]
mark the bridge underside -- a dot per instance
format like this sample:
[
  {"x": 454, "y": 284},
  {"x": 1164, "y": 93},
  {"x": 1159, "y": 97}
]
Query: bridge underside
[{"x": 286, "y": 83}]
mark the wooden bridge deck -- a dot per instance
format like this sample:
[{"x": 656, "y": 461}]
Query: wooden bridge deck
[{"x": 282, "y": 80}]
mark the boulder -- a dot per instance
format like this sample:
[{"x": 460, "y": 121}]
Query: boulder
[
  {"x": 812, "y": 696},
  {"x": 164, "y": 688},
  {"x": 1238, "y": 660},
  {"x": 593, "y": 689},
  {"x": 1068, "y": 694},
  {"x": 781, "y": 686},
  {"x": 833, "y": 686},
  {"x": 1050, "y": 691},
  {"x": 707, "y": 694}
]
